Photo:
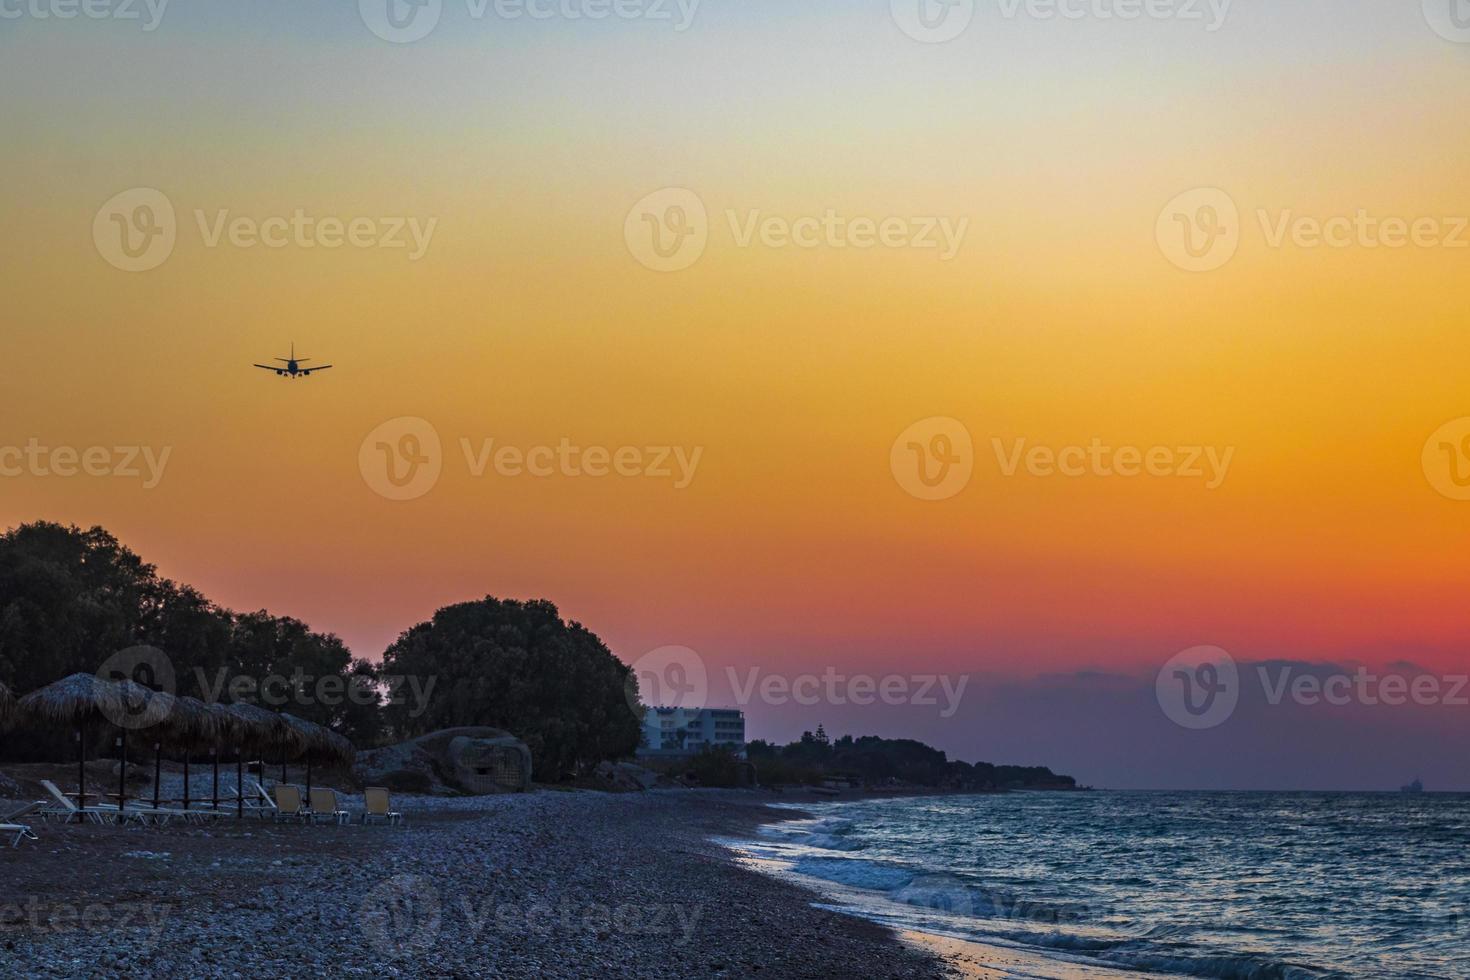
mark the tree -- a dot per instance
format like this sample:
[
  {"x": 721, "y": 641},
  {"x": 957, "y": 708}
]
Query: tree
[
  {"x": 70, "y": 598},
  {"x": 518, "y": 666}
]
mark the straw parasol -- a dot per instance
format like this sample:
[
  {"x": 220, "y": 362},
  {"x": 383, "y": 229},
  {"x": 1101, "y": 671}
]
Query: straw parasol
[
  {"x": 322, "y": 743},
  {"x": 190, "y": 728},
  {"x": 81, "y": 700},
  {"x": 228, "y": 730},
  {"x": 309, "y": 736},
  {"x": 256, "y": 734},
  {"x": 337, "y": 748},
  {"x": 164, "y": 703},
  {"x": 285, "y": 733}
]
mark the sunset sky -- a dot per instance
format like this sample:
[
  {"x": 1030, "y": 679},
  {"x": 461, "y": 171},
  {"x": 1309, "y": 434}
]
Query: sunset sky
[{"x": 529, "y": 320}]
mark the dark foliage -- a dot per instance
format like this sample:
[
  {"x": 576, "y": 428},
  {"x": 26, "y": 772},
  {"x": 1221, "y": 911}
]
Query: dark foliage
[
  {"x": 69, "y": 599},
  {"x": 715, "y": 766},
  {"x": 518, "y": 666},
  {"x": 877, "y": 761}
]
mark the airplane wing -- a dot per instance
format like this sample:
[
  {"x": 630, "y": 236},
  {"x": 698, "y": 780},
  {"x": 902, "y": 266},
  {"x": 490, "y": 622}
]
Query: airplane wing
[
  {"x": 267, "y": 367},
  {"x": 320, "y": 367}
]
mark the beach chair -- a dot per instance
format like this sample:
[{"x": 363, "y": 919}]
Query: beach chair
[
  {"x": 324, "y": 806},
  {"x": 258, "y": 799},
  {"x": 378, "y": 806},
  {"x": 258, "y": 802},
  {"x": 9, "y": 823},
  {"x": 162, "y": 815},
  {"x": 288, "y": 804},
  {"x": 15, "y": 815},
  {"x": 19, "y": 830},
  {"x": 61, "y": 806}
]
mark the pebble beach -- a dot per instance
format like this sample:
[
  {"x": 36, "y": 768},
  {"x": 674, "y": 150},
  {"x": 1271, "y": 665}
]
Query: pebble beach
[{"x": 545, "y": 884}]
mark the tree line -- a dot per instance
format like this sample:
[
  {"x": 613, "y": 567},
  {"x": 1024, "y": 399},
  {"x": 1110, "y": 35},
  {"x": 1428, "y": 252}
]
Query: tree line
[
  {"x": 874, "y": 761},
  {"x": 70, "y": 598}
]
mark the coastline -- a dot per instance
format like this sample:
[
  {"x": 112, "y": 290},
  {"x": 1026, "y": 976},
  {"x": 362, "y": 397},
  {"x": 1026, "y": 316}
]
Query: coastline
[{"x": 549, "y": 883}]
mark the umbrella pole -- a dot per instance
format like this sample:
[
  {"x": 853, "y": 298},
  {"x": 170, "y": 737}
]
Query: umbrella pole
[
  {"x": 157, "y": 771},
  {"x": 283, "y": 760},
  {"x": 308, "y": 774},
  {"x": 214, "y": 757},
  {"x": 122, "y": 775},
  {"x": 82, "y": 767},
  {"x": 240, "y": 786},
  {"x": 186, "y": 778}
]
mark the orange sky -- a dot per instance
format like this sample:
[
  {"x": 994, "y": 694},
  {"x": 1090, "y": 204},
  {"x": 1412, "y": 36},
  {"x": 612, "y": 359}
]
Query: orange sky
[{"x": 528, "y": 320}]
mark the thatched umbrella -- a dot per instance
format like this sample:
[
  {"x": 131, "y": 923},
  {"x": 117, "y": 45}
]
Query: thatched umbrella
[
  {"x": 307, "y": 735},
  {"x": 289, "y": 735},
  {"x": 79, "y": 701},
  {"x": 256, "y": 733},
  {"x": 321, "y": 742},
  {"x": 190, "y": 728},
  {"x": 164, "y": 703},
  {"x": 227, "y": 726},
  {"x": 337, "y": 748},
  {"x": 141, "y": 708}
]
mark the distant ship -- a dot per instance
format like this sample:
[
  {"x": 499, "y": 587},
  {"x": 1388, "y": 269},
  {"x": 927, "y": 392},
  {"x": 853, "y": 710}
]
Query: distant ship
[{"x": 1417, "y": 786}]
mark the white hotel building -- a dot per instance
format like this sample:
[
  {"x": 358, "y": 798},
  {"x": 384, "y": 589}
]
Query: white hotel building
[{"x": 687, "y": 731}]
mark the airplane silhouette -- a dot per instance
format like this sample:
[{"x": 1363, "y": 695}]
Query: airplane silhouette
[{"x": 293, "y": 368}]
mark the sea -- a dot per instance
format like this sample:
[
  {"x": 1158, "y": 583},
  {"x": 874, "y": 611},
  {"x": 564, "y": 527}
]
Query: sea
[{"x": 1233, "y": 886}]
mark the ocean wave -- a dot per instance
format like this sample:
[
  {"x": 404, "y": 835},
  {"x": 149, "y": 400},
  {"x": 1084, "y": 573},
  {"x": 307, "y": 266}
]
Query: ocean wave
[
  {"x": 827, "y": 833},
  {"x": 956, "y": 896},
  {"x": 854, "y": 873}
]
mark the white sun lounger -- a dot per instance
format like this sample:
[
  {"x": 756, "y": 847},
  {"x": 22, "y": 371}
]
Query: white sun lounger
[
  {"x": 20, "y": 830},
  {"x": 64, "y": 807},
  {"x": 257, "y": 801},
  {"x": 9, "y": 824},
  {"x": 97, "y": 812},
  {"x": 24, "y": 811}
]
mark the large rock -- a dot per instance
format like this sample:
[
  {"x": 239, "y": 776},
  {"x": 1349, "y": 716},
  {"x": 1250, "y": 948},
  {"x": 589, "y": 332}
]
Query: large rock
[{"x": 478, "y": 761}]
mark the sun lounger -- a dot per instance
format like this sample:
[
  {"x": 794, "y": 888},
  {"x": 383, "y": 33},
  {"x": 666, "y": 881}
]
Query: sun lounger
[
  {"x": 288, "y": 804},
  {"x": 257, "y": 800},
  {"x": 163, "y": 815},
  {"x": 61, "y": 806},
  {"x": 19, "y": 830},
  {"x": 324, "y": 806},
  {"x": 15, "y": 816},
  {"x": 379, "y": 806}
]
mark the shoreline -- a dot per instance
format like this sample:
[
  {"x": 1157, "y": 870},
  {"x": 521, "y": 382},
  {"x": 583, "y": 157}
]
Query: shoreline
[
  {"x": 548, "y": 883},
  {"x": 965, "y": 957}
]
